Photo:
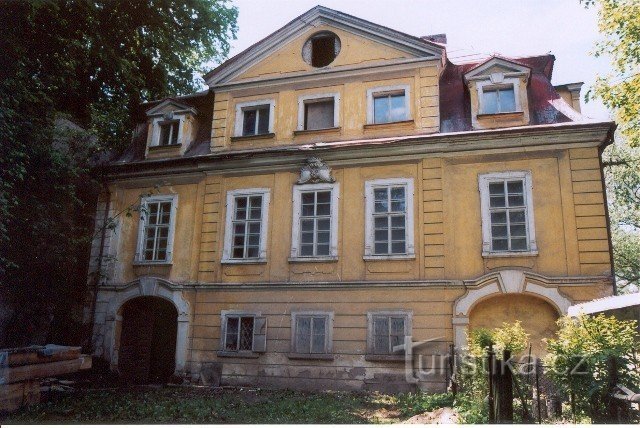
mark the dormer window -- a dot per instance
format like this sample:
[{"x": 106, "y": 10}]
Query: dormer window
[
  {"x": 498, "y": 93},
  {"x": 498, "y": 99},
  {"x": 169, "y": 133}
]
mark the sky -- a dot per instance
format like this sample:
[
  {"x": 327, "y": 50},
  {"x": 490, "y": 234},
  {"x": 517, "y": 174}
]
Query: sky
[{"x": 475, "y": 29}]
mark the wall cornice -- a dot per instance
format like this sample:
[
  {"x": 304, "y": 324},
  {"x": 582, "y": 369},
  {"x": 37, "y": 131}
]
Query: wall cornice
[{"x": 375, "y": 151}]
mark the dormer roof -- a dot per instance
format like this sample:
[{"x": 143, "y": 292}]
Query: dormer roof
[
  {"x": 170, "y": 104},
  {"x": 497, "y": 64},
  {"x": 321, "y": 15}
]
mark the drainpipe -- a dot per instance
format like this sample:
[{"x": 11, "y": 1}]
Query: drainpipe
[
  {"x": 96, "y": 281},
  {"x": 609, "y": 140}
]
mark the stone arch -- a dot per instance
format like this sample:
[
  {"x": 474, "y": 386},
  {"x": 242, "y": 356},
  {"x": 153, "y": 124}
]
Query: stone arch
[
  {"x": 499, "y": 283},
  {"x": 151, "y": 287}
]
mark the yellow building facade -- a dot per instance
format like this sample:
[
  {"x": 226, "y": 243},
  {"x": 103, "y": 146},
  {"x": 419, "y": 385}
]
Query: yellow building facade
[{"x": 343, "y": 190}]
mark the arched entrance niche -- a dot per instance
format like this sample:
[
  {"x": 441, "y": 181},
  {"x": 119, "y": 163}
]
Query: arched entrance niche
[
  {"x": 508, "y": 295},
  {"x": 135, "y": 298}
]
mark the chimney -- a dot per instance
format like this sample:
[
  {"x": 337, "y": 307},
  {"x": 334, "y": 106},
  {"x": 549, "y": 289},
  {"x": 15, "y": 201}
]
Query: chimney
[{"x": 436, "y": 38}]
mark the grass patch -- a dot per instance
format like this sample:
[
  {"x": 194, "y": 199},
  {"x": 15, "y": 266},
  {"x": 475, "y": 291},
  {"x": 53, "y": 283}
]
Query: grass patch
[{"x": 242, "y": 405}]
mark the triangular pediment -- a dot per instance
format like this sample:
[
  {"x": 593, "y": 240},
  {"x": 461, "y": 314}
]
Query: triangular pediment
[
  {"x": 497, "y": 65},
  {"x": 380, "y": 37},
  {"x": 170, "y": 105}
]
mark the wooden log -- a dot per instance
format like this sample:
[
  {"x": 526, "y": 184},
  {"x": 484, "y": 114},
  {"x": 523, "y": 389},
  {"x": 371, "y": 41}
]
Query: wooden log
[
  {"x": 42, "y": 354},
  {"x": 10, "y": 375},
  {"x": 16, "y": 395}
]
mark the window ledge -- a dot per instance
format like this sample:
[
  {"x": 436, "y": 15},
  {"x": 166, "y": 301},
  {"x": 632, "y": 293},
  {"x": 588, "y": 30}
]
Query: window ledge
[
  {"x": 489, "y": 255},
  {"x": 252, "y": 137},
  {"x": 243, "y": 261},
  {"x": 317, "y": 131},
  {"x": 313, "y": 259},
  {"x": 510, "y": 114},
  {"x": 238, "y": 354},
  {"x": 297, "y": 356},
  {"x": 391, "y": 358},
  {"x": 151, "y": 263},
  {"x": 165, "y": 147},
  {"x": 400, "y": 123},
  {"x": 389, "y": 257}
]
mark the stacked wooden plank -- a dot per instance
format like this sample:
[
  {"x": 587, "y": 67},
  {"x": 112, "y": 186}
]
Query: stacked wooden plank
[{"x": 21, "y": 370}]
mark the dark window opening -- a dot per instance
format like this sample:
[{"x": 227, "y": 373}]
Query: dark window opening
[
  {"x": 169, "y": 133},
  {"x": 323, "y": 50}
]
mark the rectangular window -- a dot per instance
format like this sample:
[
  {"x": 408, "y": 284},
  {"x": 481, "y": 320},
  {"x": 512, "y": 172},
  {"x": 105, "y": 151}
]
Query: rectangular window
[
  {"x": 246, "y": 226},
  {"x": 239, "y": 333},
  {"x": 255, "y": 120},
  {"x": 247, "y": 219},
  {"x": 507, "y": 212},
  {"x": 498, "y": 100},
  {"x": 387, "y": 331},
  {"x": 315, "y": 221},
  {"x": 157, "y": 221},
  {"x": 169, "y": 133},
  {"x": 311, "y": 334},
  {"x": 389, "y": 218},
  {"x": 389, "y": 107},
  {"x": 508, "y": 215},
  {"x": 319, "y": 114}
]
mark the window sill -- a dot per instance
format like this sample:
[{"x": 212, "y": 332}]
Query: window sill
[
  {"x": 509, "y": 115},
  {"x": 400, "y": 123},
  {"x": 238, "y": 354},
  {"x": 253, "y": 137},
  {"x": 323, "y": 357},
  {"x": 317, "y": 131},
  {"x": 371, "y": 258},
  {"x": 167, "y": 147},
  {"x": 243, "y": 261},
  {"x": 488, "y": 255},
  {"x": 313, "y": 259},
  {"x": 151, "y": 263},
  {"x": 390, "y": 358}
]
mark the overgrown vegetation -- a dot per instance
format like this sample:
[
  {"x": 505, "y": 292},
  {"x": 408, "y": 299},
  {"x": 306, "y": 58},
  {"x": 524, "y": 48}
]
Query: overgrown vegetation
[
  {"x": 583, "y": 356},
  {"x": 88, "y": 63}
]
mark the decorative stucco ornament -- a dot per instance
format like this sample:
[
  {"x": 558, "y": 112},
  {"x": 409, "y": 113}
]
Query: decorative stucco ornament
[{"x": 315, "y": 171}]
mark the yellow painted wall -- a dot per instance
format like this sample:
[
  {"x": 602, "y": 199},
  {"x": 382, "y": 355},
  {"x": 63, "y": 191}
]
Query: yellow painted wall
[
  {"x": 355, "y": 50},
  {"x": 569, "y": 217}
]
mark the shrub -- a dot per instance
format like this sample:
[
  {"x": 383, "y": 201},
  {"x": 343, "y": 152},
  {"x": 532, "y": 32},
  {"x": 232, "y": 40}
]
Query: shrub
[{"x": 580, "y": 359}]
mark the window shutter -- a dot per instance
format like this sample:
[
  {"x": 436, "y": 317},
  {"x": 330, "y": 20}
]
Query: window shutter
[{"x": 260, "y": 334}]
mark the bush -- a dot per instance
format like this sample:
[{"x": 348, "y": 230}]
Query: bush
[{"x": 580, "y": 359}]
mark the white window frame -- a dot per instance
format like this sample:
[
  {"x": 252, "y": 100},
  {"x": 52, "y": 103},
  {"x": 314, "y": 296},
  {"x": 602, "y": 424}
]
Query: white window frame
[
  {"x": 483, "y": 183},
  {"x": 372, "y": 92},
  {"x": 303, "y": 99},
  {"x": 157, "y": 122},
  {"x": 139, "y": 256},
  {"x": 328, "y": 334},
  {"x": 224, "y": 315},
  {"x": 227, "y": 251},
  {"x": 408, "y": 328},
  {"x": 241, "y": 107},
  {"x": 369, "y": 253},
  {"x": 494, "y": 83},
  {"x": 295, "y": 227}
]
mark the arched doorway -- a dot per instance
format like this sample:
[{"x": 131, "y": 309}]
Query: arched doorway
[
  {"x": 537, "y": 317},
  {"x": 148, "y": 340}
]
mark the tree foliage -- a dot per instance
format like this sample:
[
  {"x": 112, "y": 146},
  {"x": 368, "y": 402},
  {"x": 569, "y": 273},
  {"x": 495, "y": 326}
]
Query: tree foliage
[
  {"x": 88, "y": 63},
  {"x": 580, "y": 360},
  {"x": 619, "y": 23}
]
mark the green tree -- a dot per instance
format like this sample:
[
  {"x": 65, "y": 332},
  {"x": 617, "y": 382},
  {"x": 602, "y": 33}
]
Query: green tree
[
  {"x": 619, "y": 23},
  {"x": 90, "y": 63}
]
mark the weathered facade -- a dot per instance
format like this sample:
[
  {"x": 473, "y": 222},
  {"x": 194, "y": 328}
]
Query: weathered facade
[{"x": 340, "y": 187}]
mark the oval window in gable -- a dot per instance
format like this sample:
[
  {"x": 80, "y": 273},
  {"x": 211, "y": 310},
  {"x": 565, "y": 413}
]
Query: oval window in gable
[{"x": 321, "y": 49}]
